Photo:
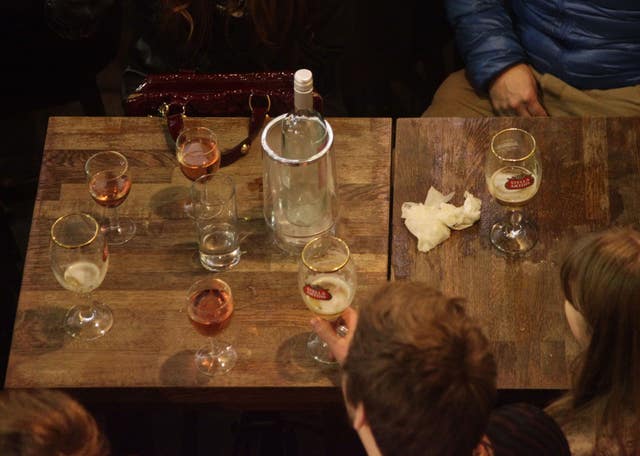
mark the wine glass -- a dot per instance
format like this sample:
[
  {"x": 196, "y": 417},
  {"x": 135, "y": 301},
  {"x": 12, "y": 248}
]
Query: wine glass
[
  {"x": 79, "y": 260},
  {"x": 109, "y": 180},
  {"x": 210, "y": 307},
  {"x": 327, "y": 283},
  {"x": 513, "y": 173},
  {"x": 197, "y": 152}
]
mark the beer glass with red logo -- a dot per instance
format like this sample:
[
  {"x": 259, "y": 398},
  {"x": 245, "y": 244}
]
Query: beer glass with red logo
[
  {"x": 513, "y": 174},
  {"x": 327, "y": 283}
]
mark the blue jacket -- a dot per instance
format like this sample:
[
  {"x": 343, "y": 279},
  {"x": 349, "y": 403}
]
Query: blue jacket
[{"x": 589, "y": 44}]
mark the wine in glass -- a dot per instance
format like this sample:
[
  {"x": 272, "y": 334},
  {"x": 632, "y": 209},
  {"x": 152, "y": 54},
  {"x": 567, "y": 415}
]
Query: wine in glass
[
  {"x": 79, "y": 260},
  {"x": 109, "y": 180},
  {"x": 513, "y": 174},
  {"x": 210, "y": 307},
  {"x": 197, "y": 152},
  {"x": 327, "y": 282}
]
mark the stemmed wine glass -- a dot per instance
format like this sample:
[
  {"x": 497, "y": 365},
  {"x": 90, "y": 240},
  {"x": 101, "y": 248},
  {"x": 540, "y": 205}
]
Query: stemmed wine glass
[
  {"x": 109, "y": 180},
  {"x": 513, "y": 173},
  {"x": 197, "y": 152},
  {"x": 327, "y": 282},
  {"x": 79, "y": 260},
  {"x": 210, "y": 307}
]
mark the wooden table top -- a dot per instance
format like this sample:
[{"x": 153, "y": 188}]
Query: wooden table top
[
  {"x": 151, "y": 345},
  {"x": 590, "y": 180}
]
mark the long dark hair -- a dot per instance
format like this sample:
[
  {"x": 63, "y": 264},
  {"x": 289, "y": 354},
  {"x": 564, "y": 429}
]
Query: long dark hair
[{"x": 601, "y": 279}]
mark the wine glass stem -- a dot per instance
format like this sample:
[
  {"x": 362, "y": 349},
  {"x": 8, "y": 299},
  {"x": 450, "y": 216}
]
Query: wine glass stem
[
  {"x": 515, "y": 220},
  {"x": 87, "y": 312},
  {"x": 115, "y": 221}
]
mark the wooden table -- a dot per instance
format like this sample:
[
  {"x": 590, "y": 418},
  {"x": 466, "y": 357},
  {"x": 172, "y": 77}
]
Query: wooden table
[
  {"x": 590, "y": 180},
  {"x": 149, "y": 351}
]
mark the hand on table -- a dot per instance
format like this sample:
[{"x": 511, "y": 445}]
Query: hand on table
[
  {"x": 338, "y": 345},
  {"x": 515, "y": 92}
]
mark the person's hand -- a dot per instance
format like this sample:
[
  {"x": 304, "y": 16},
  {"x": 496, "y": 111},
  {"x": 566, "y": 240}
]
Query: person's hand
[
  {"x": 515, "y": 93},
  {"x": 339, "y": 345}
]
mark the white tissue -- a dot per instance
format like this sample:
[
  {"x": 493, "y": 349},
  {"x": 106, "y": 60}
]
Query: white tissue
[{"x": 431, "y": 222}]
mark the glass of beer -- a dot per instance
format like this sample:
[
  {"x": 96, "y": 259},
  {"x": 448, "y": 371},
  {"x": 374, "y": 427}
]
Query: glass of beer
[
  {"x": 513, "y": 174},
  {"x": 210, "y": 307},
  {"x": 327, "y": 281},
  {"x": 109, "y": 179},
  {"x": 79, "y": 261}
]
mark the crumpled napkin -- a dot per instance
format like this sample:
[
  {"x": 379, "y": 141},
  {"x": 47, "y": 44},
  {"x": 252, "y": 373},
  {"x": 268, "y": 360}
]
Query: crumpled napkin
[{"x": 431, "y": 222}]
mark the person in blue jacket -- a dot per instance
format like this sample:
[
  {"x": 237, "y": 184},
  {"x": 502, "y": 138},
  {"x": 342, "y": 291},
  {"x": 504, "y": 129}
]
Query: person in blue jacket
[{"x": 539, "y": 58}]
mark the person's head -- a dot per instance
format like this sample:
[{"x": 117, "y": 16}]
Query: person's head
[
  {"x": 601, "y": 282},
  {"x": 47, "y": 423},
  {"x": 419, "y": 373}
]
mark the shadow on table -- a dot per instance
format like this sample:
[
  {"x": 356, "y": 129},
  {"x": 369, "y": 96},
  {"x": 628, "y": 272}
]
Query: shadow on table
[
  {"x": 296, "y": 365},
  {"x": 41, "y": 329},
  {"x": 171, "y": 203},
  {"x": 180, "y": 370}
]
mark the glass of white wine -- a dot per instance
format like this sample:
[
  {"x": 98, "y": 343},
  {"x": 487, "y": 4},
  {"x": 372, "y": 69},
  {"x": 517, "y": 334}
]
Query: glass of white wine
[
  {"x": 327, "y": 281},
  {"x": 513, "y": 174},
  {"x": 79, "y": 260}
]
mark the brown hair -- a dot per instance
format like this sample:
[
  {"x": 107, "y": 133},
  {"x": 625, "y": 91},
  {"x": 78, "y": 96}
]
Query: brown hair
[
  {"x": 423, "y": 371},
  {"x": 47, "y": 422},
  {"x": 273, "y": 20},
  {"x": 601, "y": 278}
]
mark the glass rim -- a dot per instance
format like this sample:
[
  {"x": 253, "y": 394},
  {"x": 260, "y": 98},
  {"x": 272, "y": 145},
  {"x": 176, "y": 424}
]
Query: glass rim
[
  {"x": 195, "y": 286},
  {"x": 186, "y": 130},
  {"x": 292, "y": 161},
  {"x": 526, "y": 156},
  {"x": 107, "y": 152},
  {"x": 75, "y": 246},
  {"x": 334, "y": 269}
]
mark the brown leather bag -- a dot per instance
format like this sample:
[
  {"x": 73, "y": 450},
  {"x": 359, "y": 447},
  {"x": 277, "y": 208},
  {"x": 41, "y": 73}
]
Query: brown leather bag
[{"x": 254, "y": 95}]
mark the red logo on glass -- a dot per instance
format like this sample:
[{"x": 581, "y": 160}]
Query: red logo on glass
[
  {"x": 317, "y": 292},
  {"x": 519, "y": 181}
]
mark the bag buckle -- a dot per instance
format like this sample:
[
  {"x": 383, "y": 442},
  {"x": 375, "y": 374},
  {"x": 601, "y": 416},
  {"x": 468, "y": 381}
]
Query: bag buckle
[
  {"x": 167, "y": 109},
  {"x": 266, "y": 96}
]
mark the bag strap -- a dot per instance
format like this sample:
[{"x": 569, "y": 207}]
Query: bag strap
[{"x": 175, "y": 114}]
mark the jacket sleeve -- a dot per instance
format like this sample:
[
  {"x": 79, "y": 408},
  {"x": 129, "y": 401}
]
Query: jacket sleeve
[{"x": 485, "y": 38}]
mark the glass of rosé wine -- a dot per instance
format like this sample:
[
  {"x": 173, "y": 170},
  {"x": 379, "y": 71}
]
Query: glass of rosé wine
[
  {"x": 79, "y": 261},
  {"x": 210, "y": 307},
  {"x": 109, "y": 179},
  {"x": 513, "y": 174},
  {"x": 327, "y": 281},
  {"x": 197, "y": 152}
]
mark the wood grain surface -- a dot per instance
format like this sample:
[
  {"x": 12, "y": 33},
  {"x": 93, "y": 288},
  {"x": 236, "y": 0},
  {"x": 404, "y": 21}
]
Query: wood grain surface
[
  {"x": 590, "y": 180},
  {"x": 148, "y": 352}
]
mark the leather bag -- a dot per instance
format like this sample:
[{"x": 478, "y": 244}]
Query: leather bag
[{"x": 254, "y": 95}]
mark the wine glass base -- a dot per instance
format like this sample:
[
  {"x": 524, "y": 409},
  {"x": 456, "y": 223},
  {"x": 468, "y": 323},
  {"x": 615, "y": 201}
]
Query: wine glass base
[
  {"x": 512, "y": 240},
  {"x": 88, "y": 322},
  {"x": 319, "y": 350},
  {"x": 217, "y": 360},
  {"x": 121, "y": 235}
]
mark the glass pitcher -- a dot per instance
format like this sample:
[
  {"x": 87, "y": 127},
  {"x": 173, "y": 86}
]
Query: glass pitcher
[{"x": 299, "y": 185}]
